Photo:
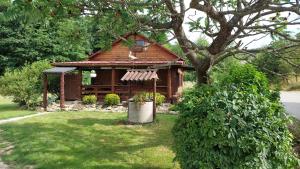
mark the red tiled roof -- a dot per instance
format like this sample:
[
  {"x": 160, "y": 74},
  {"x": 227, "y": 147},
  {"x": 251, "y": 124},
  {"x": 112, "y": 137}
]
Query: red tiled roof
[{"x": 114, "y": 63}]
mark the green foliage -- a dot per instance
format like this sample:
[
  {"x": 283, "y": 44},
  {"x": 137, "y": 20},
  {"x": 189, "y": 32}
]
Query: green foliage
[
  {"x": 148, "y": 96},
  {"x": 277, "y": 65},
  {"x": 89, "y": 99},
  {"x": 112, "y": 99},
  {"x": 245, "y": 77},
  {"x": 25, "y": 84},
  {"x": 177, "y": 50},
  {"x": 234, "y": 124},
  {"x": 86, "y": 78},
  {"x": 142, "y": 97},
  {"x": 160, "y": 99},
  {"x": 54, "y": 40},
  {"x": 218, "y": 70},
  {"x": 190, "y": 76}
]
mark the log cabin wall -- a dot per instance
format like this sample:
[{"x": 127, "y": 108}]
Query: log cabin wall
[
  {"x": 72, "y": 86},
  {"x": 103, "y": 77},
  {"x": 119, "y": 52}
]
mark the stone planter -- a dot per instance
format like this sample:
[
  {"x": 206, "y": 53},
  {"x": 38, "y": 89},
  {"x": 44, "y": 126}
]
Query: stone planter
[{"x": 140, "y": 112}]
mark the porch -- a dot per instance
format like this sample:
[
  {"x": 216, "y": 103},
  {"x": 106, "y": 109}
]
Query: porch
[{"x": 109, "y": 81}]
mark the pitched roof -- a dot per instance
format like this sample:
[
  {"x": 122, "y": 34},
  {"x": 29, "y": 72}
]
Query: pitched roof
[{"x": 143, "y": 37}]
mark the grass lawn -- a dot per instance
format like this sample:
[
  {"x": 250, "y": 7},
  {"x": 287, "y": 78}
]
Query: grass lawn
[
  {"x": 89, "y": 140},
  {"x": 9, "y": 109}
]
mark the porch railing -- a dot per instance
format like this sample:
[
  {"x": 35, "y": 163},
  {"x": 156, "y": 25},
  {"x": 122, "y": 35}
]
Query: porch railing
[{"x": 122, "y": 90}]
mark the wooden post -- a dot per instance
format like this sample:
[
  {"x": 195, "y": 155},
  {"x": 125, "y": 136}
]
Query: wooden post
[
  {"x": 113, "y": 76},
  {"x": 169, "y": 81},
  {"x": 154, "y": 99},
  {"x": 80, "y": 87},
  {"x": 180, "y": 74},
  {"x": 129, "y": 89},
  {"x": 62, "y": 91},
  {"x": 45, "y": 91}
]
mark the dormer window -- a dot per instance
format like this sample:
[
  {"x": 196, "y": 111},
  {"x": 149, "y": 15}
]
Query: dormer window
[
  {"x": 140, "y": 43},
  {"x": 140, "y": 46}
]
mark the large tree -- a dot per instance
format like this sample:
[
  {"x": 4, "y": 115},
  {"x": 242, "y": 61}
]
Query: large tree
[
  {"x": 54, "y": 40},
  {"x": 225, "y": 22}
]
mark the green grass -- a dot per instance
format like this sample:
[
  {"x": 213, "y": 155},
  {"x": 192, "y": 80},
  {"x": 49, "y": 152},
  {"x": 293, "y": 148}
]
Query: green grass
[
  {"x": 89, "y": 140},
  {"x": 9, "y": 109}
]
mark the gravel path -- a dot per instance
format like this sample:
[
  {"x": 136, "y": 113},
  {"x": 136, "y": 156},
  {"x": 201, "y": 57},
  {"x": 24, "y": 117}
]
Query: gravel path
[
  {"x": 3, "y": 166},
  {"x": 291, "y": 102}
]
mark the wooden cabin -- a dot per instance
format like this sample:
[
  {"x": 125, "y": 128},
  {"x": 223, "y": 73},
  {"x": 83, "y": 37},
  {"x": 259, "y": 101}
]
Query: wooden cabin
[{"x": 111, "y": 65}]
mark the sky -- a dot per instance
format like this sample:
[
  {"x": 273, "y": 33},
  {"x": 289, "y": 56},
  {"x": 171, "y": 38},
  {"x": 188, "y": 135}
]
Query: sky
[{"x": 256, "y": 44}]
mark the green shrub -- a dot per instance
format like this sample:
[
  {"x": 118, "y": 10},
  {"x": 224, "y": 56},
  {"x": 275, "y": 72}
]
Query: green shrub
[
  {"x": 89, "y": 99},
  {"x": 235, "y": 124},
  {"x": 142, "y": 97},
  {"x": 148, "y": 96},
  {"x": 112, "y": 99},
  {"x": 245, "y": 77},
  {"x": 160, "y": 99},
  {"x": 25, "y": 84},
  {"x": 230, "y": 128}
]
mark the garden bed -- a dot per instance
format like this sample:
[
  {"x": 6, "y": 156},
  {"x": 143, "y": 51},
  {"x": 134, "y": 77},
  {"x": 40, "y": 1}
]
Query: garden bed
[{"x": 121, "y": 108}]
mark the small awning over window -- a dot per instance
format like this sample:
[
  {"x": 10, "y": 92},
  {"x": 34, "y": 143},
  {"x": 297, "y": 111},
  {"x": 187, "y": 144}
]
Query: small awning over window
[
  {"x": 140, "y": 75},
  {"x": 60, "y": 69}
]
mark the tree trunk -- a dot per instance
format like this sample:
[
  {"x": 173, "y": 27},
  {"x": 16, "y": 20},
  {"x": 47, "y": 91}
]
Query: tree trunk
[
  {"x": 202, "y": 76},
  {"x": 202, "y": 70}
]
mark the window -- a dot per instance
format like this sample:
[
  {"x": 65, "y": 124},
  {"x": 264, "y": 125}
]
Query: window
[{"x": 140, "y": 43}]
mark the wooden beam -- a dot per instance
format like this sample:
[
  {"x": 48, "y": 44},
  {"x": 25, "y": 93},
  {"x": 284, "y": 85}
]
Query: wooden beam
[
  {"x": 62, "y": 90},
  {"x": 113, "y": 80},
  {"x": 154, "y": 99},
  {"x": 129, "y": 89},
  {"x": 169, "y": 81},
  {"x": 45, "y": 91},
  {"x": 180, "y": 73}
]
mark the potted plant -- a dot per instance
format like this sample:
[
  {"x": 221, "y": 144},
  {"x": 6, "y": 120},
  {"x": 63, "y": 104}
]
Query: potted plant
[{"x": 140, "y": 108}]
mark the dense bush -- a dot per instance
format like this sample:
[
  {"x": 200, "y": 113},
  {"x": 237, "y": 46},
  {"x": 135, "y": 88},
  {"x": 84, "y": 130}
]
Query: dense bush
[
  {"x": 25, "y": 84},
  {"x": 112, "y": 99},
  {"x": 89, "y": 99},
  {"x": 148, "y": 96},
  {"x": 233, "y": 126},
  {"x": 245, "y": 77}
]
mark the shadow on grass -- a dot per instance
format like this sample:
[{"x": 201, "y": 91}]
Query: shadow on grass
[
  {"x": 92, "y": 121},
  {"x": 8, "y": 107},
  {"x": 88, "y": 143}
]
